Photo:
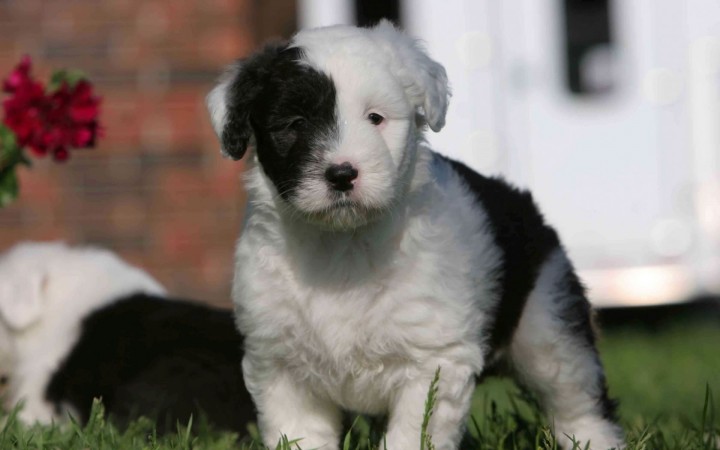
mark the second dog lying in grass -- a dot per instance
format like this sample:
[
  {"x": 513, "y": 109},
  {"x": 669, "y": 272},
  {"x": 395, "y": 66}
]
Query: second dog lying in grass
[{"x": 79, "y": 323}]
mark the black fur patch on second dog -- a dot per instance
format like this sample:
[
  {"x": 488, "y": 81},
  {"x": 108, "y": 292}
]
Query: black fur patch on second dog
[{"x": 161, "y": 358}]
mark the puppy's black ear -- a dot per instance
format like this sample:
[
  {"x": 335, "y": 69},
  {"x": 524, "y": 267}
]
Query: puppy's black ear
[{"x": 231, "y": 101}]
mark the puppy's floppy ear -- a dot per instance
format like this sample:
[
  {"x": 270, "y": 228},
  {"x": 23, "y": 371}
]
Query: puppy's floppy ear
[
  {"x": 231, "y": 100},
  {"x": 424, "y": 80},
  {"x": 22, "y": 300}
]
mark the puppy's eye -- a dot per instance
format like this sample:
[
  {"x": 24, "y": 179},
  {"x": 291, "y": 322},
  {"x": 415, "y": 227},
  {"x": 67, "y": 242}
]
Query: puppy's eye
[
  {"x": 298, "y": 124},
  {"x": 375, "y": 118},
  {"x": 4, "y": 379}
]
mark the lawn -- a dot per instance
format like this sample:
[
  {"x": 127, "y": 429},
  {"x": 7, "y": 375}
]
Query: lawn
[
  {"x": 667, "y": 380},
  {"x": 660, "y": 377}
]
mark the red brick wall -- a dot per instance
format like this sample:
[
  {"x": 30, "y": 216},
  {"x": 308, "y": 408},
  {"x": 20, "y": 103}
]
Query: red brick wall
[{"x": 155, "y": 190}]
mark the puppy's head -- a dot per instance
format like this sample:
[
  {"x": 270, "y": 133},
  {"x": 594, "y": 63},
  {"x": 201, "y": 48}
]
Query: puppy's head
[
  {"x": 23, "y": 285},
  {"x": 335, "y": 116}
]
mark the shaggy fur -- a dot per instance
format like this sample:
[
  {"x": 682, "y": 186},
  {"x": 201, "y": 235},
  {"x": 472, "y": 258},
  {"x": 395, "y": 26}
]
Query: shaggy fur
[
  {"x": 46, "y": 289},
  {"x": 350, "y": 294},
  {"x": 79, "y": 323},
  {"x": 162, "y": 358}
]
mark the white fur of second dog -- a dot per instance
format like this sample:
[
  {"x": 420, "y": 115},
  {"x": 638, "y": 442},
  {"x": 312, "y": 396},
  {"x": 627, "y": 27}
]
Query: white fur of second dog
[
  {"x": 46, "y": 289},
  {"x": 356, "y": 311}
]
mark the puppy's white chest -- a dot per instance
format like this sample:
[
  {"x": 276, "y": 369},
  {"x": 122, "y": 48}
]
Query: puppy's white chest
[
  {"x": 355, "y": 340},
  {"x": 354, "y": 348}
]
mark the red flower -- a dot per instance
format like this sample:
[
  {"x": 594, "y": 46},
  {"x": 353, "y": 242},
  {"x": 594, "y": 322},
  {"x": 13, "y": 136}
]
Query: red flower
[
  {"x": 53, "y": 122},
  {"x": 23, "y": 111},
  {"x": 19, "y": 76}
]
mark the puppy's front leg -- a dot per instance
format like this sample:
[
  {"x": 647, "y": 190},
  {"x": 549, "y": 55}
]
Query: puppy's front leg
[
  {"x": 447, "y": 423},
  {"x": 287, "y": 407}
]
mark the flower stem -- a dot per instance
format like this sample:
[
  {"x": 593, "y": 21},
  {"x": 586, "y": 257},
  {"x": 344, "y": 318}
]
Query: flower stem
[{"x": 10, "y": 157}]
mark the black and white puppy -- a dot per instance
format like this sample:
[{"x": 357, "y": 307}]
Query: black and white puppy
[
  {"x": 78, "y": 323},
  {"x": 367, "y": 260}
]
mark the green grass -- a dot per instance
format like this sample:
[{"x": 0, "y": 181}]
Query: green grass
[{"x": 668, "y": 384}]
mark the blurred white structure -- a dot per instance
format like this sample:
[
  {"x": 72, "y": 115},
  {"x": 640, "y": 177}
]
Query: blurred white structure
[{"x": 629, "y": 169}]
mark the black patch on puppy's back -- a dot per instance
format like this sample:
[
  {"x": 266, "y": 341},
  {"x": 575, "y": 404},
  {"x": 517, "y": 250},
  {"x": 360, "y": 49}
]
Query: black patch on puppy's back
[
  {"x": 523, "y": 237},
  {"x": 290, "y": 107},
  {"x": 526, "y": 242},
  {"x": 160, "y": 358}
]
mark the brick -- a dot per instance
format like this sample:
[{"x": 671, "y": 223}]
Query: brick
[{"x": 156, "y": 189}]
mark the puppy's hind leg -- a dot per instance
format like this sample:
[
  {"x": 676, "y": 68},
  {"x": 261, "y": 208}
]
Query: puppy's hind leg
[{"x": 553, "y": 353}]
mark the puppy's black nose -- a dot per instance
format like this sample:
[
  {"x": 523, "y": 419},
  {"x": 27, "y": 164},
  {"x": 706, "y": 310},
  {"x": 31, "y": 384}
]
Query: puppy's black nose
[{"x": 341, "y": 176}]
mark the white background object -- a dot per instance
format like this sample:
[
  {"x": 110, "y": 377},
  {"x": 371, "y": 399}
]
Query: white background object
[{"x": 631, "y": 177}]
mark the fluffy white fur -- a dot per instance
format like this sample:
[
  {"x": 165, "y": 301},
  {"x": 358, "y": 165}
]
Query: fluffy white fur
[
  {"x": 549, "y": 360},
  {"x": 357, "y": 313},
  {"x": 46, "y": 289},
  {"x": 319, "y": 317}
]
